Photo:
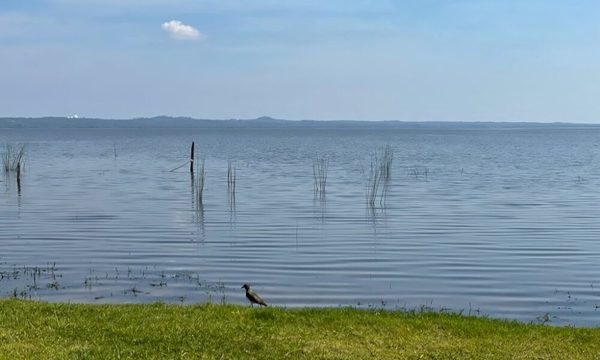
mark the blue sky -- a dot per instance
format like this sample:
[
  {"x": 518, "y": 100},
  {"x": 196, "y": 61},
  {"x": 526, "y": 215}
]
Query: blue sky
[{"x": 418, "y": 60}]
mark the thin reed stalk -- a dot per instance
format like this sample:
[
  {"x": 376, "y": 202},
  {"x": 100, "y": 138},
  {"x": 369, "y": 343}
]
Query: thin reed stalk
[
  {"x": 200, "y": 182},
  {"x": 373, "y": 182},
  {"x": 231, "y": 182},
  {"x": 320, "y": 167},
  {"x": 386, "y": 163}
]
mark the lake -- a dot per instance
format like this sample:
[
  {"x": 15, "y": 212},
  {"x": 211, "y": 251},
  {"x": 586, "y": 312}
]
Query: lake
[{"x": 496, "y": 222}]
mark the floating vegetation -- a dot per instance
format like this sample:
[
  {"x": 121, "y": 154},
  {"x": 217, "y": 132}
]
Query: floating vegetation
[
  {"x": 135, "y": 291},
  {"x": 36, "y": 282},
  {"x": 421, "y": 172},
  {"x": 145, "y": 281},
  {"x": 32, "y": 277},
  {"x": 53, "y": 285},
  {"x": 320, "y": 166}
]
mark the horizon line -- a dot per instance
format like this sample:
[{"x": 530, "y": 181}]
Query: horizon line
[{"x": 265, "y": 117}]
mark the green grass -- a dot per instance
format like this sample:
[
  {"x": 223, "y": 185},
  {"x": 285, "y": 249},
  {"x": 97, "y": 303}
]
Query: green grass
[{"x": 36, "y": 330}]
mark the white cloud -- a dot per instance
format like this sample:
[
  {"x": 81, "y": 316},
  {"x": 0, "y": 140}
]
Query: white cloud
[{"x": 181, "y": 31}]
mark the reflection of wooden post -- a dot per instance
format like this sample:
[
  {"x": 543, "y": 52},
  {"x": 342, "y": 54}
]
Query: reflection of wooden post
[
  {"x": 19, "y": 177},
  {"x": 192, "y": 159}
]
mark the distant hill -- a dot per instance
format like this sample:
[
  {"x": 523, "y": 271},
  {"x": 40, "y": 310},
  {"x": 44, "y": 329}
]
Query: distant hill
[{"x": 264, "y": 123}]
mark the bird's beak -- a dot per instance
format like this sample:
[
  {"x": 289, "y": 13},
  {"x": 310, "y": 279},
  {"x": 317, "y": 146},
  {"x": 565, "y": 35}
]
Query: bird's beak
[{"x": 242, "y": 287}]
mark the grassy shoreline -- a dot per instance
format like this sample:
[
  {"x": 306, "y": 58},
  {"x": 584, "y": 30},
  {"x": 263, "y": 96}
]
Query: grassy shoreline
[{"x": 37, "y": 330}]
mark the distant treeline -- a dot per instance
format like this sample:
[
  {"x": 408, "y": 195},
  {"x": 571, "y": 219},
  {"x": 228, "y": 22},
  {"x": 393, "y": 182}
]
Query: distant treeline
[{"x": 266, "y": 122}]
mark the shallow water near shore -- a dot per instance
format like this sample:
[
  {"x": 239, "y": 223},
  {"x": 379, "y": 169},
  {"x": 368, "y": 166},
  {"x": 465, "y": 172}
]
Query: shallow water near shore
[{"x": 502, "y": 223}]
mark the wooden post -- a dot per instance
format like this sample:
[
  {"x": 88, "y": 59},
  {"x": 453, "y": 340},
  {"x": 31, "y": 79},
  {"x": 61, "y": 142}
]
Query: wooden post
[
  {"x": 192, "y": 159},
  {"x": 19, "y": 177}
]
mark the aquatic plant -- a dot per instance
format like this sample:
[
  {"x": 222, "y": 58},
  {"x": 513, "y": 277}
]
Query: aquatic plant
[
  {"x": 12, "y": 160},
  {"x": 420, "y": 172},
  {"x": 380, "y": 176},
  {"x": 373, "y": 182},
  {"x": 320, "y": 166},
  {"x": 386, "y": 162},
  {"x": 200, "y": 182},
  {"x": 231, "y": 181}
]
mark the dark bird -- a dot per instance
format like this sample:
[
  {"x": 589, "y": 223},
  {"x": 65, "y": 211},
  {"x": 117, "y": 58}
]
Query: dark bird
[{"x": 253, "y": 297}]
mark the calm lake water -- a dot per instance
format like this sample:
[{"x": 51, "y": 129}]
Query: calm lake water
[{"x": 504, "y": 223}]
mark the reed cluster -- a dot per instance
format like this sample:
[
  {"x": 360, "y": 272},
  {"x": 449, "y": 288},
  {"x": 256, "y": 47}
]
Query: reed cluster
[
  {"x": 13, "y": 159},
  {"x": 380, "y": 176},
  {"x": 378, "y": 180},
  {"x": 320, "y": 166}
]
